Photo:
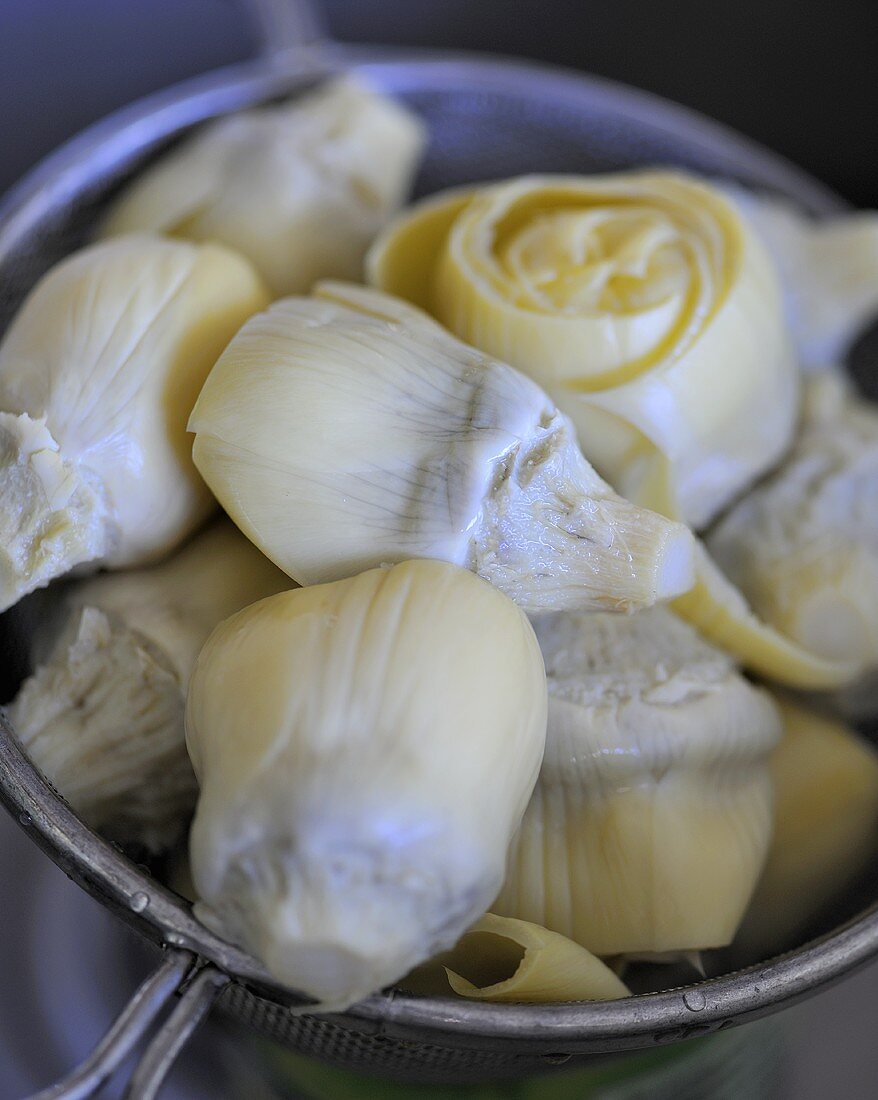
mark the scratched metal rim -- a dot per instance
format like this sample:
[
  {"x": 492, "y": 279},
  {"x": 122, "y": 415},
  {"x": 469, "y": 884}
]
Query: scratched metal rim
[{"x": 161, "y": 915}]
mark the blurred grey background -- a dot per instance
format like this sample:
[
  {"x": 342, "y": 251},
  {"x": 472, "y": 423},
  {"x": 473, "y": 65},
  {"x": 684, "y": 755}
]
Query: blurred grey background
[{"x": 799, "y": 75}]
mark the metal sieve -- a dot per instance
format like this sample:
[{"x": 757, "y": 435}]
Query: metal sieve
[{"x": 487, "y": 118}]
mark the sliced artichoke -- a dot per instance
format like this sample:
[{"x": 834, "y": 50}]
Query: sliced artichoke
[{"x": 501, "y": 959}]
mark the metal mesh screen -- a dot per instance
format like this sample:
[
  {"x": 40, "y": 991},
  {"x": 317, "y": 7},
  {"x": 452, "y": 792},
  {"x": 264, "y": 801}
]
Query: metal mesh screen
[
  {"x": 477, "y": 133},
  {"x": 345, "y": 1047}
]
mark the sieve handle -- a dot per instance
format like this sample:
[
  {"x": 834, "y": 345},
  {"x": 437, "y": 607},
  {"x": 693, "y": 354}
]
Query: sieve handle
[
  {"x": 133, "y": 1023},
  {"x": 174, "y": 1034},
  {"x": 284, "y": 25}
]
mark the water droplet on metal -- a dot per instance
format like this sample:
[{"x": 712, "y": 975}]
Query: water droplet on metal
[
  {"x": 139, "y": 902},
  {"x": 694, "y": 1000},
  {"x": 25, "y": 819},
  {"x": 557, "y": 1059}
]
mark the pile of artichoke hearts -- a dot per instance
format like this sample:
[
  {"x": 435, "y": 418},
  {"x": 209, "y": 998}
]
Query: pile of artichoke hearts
[{"x": 488, "y": 586}]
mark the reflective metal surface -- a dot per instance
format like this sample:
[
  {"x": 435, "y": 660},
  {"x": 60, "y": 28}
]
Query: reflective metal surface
[{"x": 487, "y": 119}]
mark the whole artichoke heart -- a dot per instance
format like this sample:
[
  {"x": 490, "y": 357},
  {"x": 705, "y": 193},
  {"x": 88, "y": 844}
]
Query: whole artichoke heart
[
  {"x": 365, "y": 751},
  {"x": 803, "y": 544},
  {"x": 348, "y": 429},
  {"x": 828, "y": 269},
  {"x": 299, "y": 188}
]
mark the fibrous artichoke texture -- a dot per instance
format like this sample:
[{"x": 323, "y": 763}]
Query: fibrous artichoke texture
[
  {"x": 98, "y": 373},
  {"x": 102, "y": 715},
  {"x": 641, "y": 301},
  {"x": 365, "y": 751},
  {"x": 828, "y": 269},
  {"x": 349, "y": 429},
  {"x": 825, "y": 832},
  {"x": 300, "y": 188},
  {"x": 803, "y": 544},
  {"x": 651, "y": 819},
  {"x": 652, "y": 314}
]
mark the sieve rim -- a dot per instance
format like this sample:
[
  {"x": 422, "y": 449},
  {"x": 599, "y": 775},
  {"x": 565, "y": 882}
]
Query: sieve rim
[{"x": 110, "y": 876}]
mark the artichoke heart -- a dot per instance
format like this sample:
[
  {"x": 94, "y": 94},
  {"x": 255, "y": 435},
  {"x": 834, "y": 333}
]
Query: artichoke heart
[
  {"x": 300, "y": 188},
  {"x": 652, "y": 314},
  {"x": 641, "y": 301},
  {"x": 803, "y": 544},
  {"x": 98, "y": 373},
  {"x": 651, "y": 819},
  {"x": 102, "y": 715},
  {"x": 348, "y": 430},
  {"x": 365, "y": 751},
  {"x": 825, "y": 832},
  {"x": 828, "y": 270}
]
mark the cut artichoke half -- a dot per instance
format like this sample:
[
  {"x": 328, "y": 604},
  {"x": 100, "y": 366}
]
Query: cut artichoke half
[
  {"x": 102, "y": 715},
  {"x": 651, "y": 819},
  {"x": 98, "y": 374}
]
